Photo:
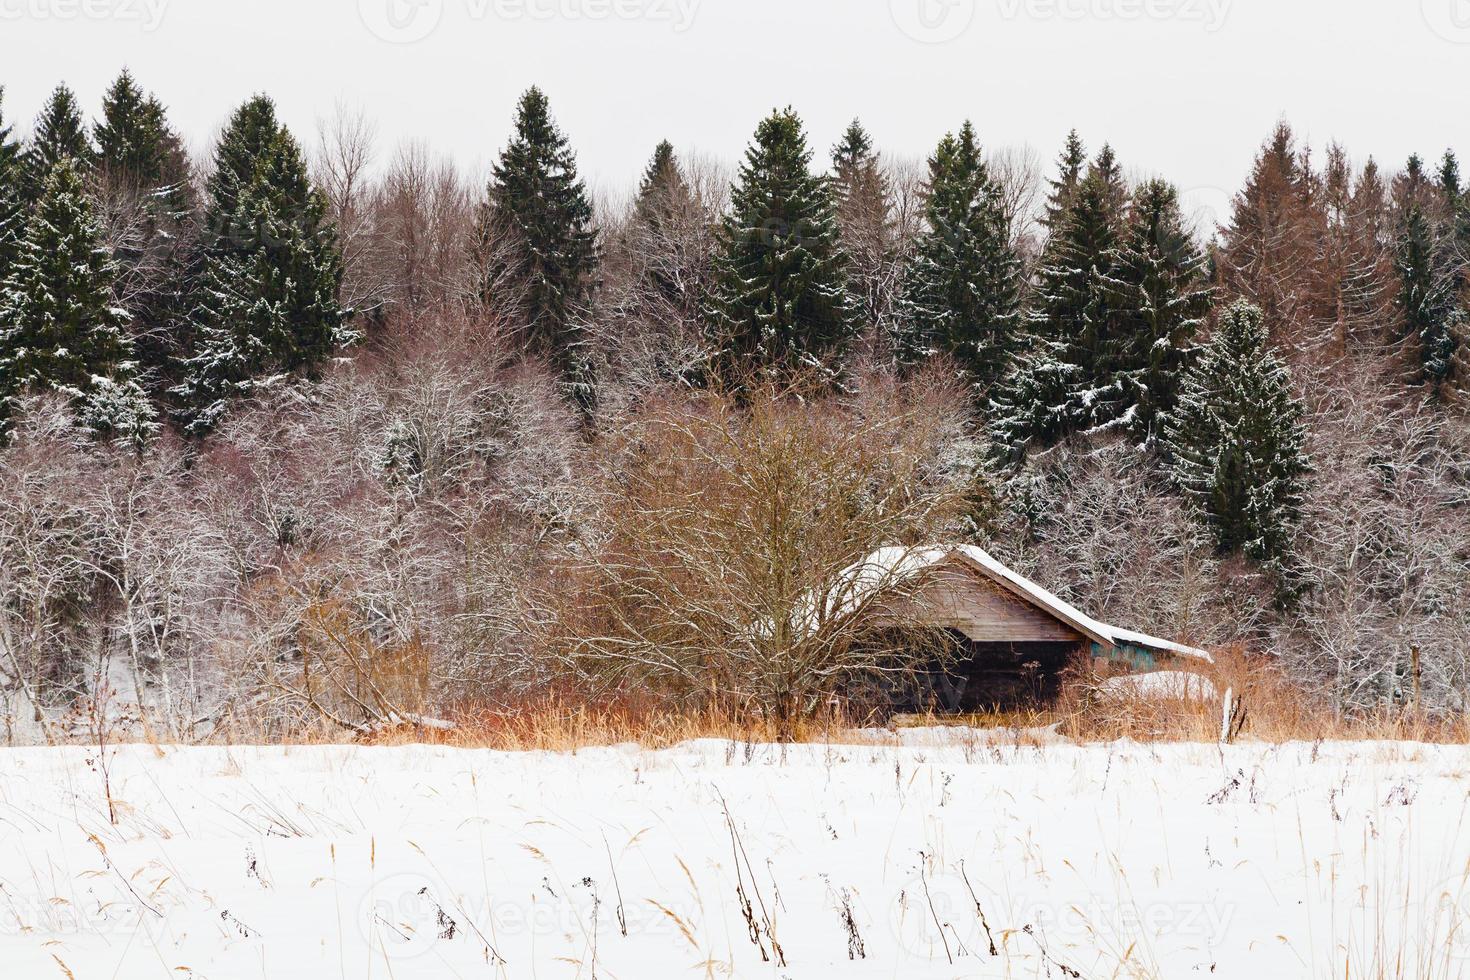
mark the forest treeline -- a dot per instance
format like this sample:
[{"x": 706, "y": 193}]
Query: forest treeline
[{"x": 290, "y": 435}]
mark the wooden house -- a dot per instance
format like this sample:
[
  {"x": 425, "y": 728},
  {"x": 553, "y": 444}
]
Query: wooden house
[{"x": 1008, "y": 639}]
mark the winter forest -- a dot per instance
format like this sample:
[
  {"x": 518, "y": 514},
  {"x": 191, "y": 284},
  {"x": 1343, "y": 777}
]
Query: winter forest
[{"x": 309, "y": 431}]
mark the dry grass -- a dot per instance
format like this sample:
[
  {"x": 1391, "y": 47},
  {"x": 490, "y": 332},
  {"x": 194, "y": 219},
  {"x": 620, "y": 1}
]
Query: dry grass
[
  {"x": 563, "y": 723},
  {"x": 1275, "y": 709}
]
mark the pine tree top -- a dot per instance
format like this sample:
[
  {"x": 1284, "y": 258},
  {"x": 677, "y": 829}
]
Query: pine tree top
[
  {"x": 1093, "y": 221},
  {"x": 1156, "y": 221},
  {"x": 861, "y": 187},
  {"x": 854, "y": 150},
  {"x": 662, "y": 177},
  {"x": 1280, "y": 149},
  {"x": 1155, "y": 196},
  {"x": 775, "y": 184},
  {"x": 60, "y": 134},
  {"x": 663, "y": 194},
  {"x": 538, "y": 161},
  {"x": 961, "y": 292},
  {"x": 537, "y": 145},
  {"x": 10, "y": 148},
  {"x": 247, "y": 139},
  {"x": 1156, "y": 233},
  {"x": 537, "y": 201},
  {"x": 781, "y": 293},
  {"x": 967, "y": 150},
  {"x": 959, "y": 181},
  {"x": 1449, "y": 178},
  {"x": 121, "y": 134},
  {"x": 1414, "y": 170},
  {"x": 1242, "y": 331},
  {"x": 1074, "y": 155},
  {"x": 533, "y": 114},
  {"x": 124, "y": 96},
  {"x": 1239, "y": 379},
  {"x": 1276, "y": 180},
  {"x": 778, "y": 153},
  {"x": 661, "y": 169},
  {"x": 1107, "y": 173},
  {"x": 1070, "y": 165},
  {"x": 136, "y": 149}
]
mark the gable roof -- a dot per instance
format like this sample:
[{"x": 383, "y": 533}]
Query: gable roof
[{"x": 890, "y": 565}]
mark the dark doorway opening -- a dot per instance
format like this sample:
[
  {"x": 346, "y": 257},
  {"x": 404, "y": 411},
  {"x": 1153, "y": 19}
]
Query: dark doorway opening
[{"x": 975, "y": 677}]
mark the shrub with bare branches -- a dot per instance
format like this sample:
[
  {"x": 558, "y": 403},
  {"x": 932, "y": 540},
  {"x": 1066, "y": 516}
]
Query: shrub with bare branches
[{"x": 723, "y": 531}]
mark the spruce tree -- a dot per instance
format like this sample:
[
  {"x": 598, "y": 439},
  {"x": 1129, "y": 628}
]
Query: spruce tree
[
  {"x": 538, "y": 207},
  {"x": 662, "y": 188},
  {"x": 1449, "y": 179},
  {"x": 1357, "y": 257},
  {"x": 1427, "y": 278},
  {"x": 1073, "y": 345},
  {"x": 137, "y": 152},
  {"x": 144, "y": 181},
  {"x": 1456, "y": 218},
  {"x": 962, "y": 290},
  {"x": 1072, "y": 288},
  {"x": 854, "y": 165},
  {"x": 780, "y": 295},
  {"x": 665, "y": 219},
  {"x": 267, "y": 297},
  {"x": 59, "y": 328},
  {"x": 12, "y": 195},
  {"x": 1162, "y": 298},
  {"x": 1273, "y": 247},
  {"x": 1237, "y": 441},
  {"x": 1071, "y": 166},
  {"x": 247, "y": 140},
  {"x": 60, "y": 134},
  {"x": 1107, "y": 172},
  {"x": 864, "y": 202}
]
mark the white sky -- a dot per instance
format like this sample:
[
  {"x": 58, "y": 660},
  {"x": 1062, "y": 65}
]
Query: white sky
[{"x": 1187, "y": 88}]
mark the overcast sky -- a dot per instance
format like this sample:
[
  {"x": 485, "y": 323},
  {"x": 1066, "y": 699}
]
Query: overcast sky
[{"x": 1186, "y": 88}]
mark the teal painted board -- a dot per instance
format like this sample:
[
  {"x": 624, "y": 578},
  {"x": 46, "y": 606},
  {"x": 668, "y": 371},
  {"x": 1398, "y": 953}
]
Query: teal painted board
[{"x": 1136, "y": 657}]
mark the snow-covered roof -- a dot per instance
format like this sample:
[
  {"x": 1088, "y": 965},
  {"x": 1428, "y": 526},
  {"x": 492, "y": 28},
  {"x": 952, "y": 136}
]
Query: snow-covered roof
[{"x": 888, "y": 566}]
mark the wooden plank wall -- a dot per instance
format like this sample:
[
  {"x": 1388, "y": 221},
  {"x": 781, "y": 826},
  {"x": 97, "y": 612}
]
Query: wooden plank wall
[{"x": 958, "y": 598}]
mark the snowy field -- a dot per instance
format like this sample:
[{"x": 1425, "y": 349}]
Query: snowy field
[{"x": 723, "y": 860}]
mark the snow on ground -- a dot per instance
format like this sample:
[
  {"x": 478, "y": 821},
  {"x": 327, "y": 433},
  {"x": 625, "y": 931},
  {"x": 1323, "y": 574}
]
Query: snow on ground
[
  {"x": 869, "y": 861},
  {"x": 1163, "y": 685}
]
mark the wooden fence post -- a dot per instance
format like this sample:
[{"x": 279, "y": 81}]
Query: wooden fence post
[{"x": 1416, "y": 666}]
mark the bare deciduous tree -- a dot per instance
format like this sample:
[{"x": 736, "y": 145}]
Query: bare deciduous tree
[{"x": 345, "y": 148}]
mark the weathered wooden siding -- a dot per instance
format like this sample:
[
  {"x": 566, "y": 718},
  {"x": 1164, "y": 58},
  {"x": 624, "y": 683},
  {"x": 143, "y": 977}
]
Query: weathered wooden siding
[
  {"x": 1135, "y": 658},
  {"x": 956, "y": 598}
]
